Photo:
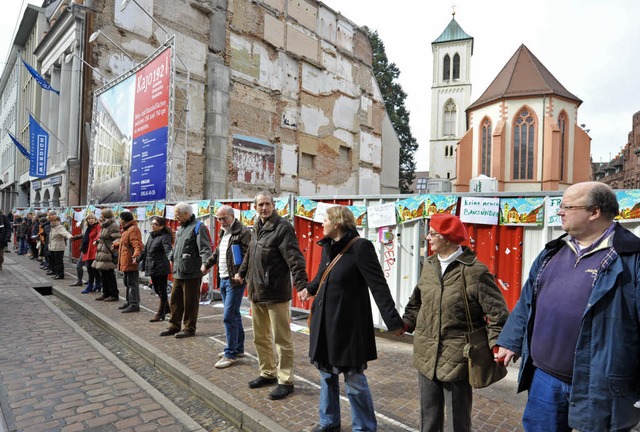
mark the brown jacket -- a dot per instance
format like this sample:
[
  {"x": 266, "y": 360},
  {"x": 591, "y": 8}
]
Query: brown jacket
[
  {"x": 109, "y": 232},
  {"x": 436, "y": 314},
  {"x": 129, "y": 246}
]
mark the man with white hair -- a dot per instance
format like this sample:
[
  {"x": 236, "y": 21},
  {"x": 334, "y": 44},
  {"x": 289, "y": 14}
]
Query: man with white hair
[{"x": 192, "y": 248}]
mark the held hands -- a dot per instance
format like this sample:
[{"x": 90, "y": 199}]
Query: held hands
[
  {"x": 304, "y": 295},
  {"x": 503, "y": 356},
  {"x": 203, "y": 269},
  {"x": 238, "y": 279}
]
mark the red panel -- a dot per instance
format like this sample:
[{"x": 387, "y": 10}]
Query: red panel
[{"x": 510, "y": 264}]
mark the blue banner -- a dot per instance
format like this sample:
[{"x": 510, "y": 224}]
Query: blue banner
[
  {"x": 36, "y": 76},
  {"x": 19, "y": 145},
  {"x": 39, "y": 149},
  {"x": 149, "y": 166}
]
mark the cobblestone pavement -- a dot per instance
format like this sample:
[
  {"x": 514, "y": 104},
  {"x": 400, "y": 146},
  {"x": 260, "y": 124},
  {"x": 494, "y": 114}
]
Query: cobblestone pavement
[{"x": 50, "y": 346}]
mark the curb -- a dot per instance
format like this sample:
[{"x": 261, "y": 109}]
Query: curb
[{"x": 235, "y": 410}]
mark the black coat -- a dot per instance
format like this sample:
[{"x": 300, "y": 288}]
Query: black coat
[
  {"x": 342, "y": 332},
  {"x": 156, "y": 254}
]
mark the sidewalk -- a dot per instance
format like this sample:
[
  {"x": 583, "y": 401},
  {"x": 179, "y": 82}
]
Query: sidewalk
[{"x": 57, "y": 344}]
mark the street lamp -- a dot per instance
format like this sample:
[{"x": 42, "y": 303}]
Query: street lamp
[
  {"x": 68, "y": 58},
  {"x": 95, "y": 35},
  {"x": 124, "y": 5}
]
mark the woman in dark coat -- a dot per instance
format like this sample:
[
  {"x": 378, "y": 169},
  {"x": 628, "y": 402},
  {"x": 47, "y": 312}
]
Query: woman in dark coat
[
  {"x": 89, "y": 249},
  {"x": 342, "y": 334},
  {"x": 106, "y": 259},
  {"x": 155, "y": 262}
]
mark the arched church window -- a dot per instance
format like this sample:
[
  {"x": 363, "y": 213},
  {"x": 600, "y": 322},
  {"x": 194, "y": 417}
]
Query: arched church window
[
  {"x": 446, "y": 68},
  {"x": 456, "y": 67},
  {"x": 449, "y": 119},
  {"x": 485, "y": 167},
  {"x": 523, "y": 145},
  {"x": 562, "y": 125}
]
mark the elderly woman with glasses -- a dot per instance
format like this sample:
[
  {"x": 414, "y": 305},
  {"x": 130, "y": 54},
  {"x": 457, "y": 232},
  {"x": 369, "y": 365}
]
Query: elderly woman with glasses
[{"x": 436, "y": 315}]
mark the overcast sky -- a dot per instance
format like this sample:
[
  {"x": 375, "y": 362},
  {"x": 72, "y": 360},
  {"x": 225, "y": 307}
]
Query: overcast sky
[{"x": 591, "y": 46}]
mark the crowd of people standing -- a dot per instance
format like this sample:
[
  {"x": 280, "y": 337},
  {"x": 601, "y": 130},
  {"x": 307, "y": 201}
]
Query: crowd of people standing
[{"x": 576, "y": 324}]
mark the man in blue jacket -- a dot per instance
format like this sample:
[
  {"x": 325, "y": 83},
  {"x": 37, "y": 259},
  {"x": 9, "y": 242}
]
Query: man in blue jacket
[{"x": 576, "y": 324}]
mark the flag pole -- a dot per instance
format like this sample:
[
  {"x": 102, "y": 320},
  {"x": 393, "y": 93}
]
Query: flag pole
[{"x": 48, "y": 130}]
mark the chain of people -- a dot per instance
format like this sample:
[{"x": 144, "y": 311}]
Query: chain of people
[{"x": 576, "y": 326}]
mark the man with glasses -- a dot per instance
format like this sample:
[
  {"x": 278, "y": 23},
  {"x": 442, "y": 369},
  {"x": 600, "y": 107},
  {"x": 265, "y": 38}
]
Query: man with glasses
[
  {"x": 233, "y": 242},
  {"x": 576, "y": 324}
]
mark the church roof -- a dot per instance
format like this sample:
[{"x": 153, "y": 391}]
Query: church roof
[
  {"x": 453, "y": 32},
  {"x": 523, "y": 75}
]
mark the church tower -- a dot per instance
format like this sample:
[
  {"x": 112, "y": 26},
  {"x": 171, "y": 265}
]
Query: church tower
[{"x": 450, "y": 97}]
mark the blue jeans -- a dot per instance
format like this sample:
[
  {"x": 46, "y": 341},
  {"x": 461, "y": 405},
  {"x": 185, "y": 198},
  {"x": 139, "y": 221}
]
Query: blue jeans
[
  {"x": 231, "y": 299},
  {"x": 23, "y": 247},
  {"x": 363, "y": 416},
  {"x": 547, "y": 408}
]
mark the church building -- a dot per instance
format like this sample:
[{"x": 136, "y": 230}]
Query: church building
[{"x": 524, "y": 132}]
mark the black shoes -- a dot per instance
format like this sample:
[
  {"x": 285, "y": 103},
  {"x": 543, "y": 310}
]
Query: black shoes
[
  {"x": 262, "y": 381},
  {"x": 185, "y": 334},
  {"x": 281, "y": 391},
  {"x": 76, "y": 283},
  {"x": 58, "y": 277},
  {"x": 131, "y": 308},
  {"x": 112, "y": 299},
  {"x": 169, "y": 332},
  {"x": 326, "y": 429},
  {"x": 124, "y": 306}
]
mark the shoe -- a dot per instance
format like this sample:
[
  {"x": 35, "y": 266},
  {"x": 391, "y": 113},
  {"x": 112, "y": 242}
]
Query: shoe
[
  {"x": 77, "y": 283},
  {"x": 112, "y": 299},
  {"x": 185, "y": 334},
  {"x": 281, "y": 391},
  {"x": 262, "y": 381},
  {"x": 101, "y": 298},
  {"x": 131, "y": 308},
  {"x": 124, "y": 306},
  {"x": 58, "y": 277},
  {"x": 225, "y": 362},
  {"x": 157, "y": 318},
  {"x": 320, "y": 428},
  {"x": 97, "y": 288},
  {"x": 221, "y": 354},
  {"x": 49, "y": 273},
  {"x": 169, "y": 332},
  {"x": 87, "y": 290}
]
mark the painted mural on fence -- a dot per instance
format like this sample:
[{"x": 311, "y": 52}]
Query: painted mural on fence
[
  {"x": 306, "y": 208},
  {"x": 522, "y": 211},
  {"x": 411, "y": 208},
  {"x": 360, "y": 214},
  {"x": 204, "y": 208},
  {"x": 159, "y": 209},
  {"x": 441, "y": 204},
  {"x": 629, "y": 202},
  {"x": 248, "y": 217},
  {"x": 282, "y": 206}
]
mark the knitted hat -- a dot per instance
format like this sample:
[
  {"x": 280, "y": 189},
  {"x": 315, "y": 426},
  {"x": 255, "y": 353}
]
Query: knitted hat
[
  {"x": 449, "y": 226},
  {"x": 126, "y": 216}
]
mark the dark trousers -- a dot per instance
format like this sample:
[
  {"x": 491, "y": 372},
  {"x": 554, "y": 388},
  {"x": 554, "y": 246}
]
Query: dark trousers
[
  {"x": 160, "y": 287},
  {"x": 34, "y": 250},
  {"x": 436, "y": 397},
  {"x": 57, "y": 263},
  {"x": 94, "y": 275},
  {"x": 109, "y": 283},
  {"x": 185, "y": 303}
]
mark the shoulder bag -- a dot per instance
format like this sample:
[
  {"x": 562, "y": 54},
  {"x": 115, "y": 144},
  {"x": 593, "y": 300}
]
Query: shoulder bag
[
  {"x": 483, "y": 369},
  {"x": 328, "y": 269}
]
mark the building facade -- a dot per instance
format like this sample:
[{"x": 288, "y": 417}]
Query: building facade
[
  {"x": 269, "y": 94},
  {"x": 623, "y": 170}
]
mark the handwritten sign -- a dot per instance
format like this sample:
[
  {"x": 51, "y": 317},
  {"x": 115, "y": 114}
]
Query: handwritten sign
[
  {"x": 382, "y": 215},
  {"x": 480, "y": 210}
]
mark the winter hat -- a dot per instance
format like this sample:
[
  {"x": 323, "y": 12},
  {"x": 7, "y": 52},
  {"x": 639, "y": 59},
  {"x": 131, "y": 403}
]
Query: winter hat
[
  {"x": 449, "y": 226},
  {"x": 126, "y": 216}
]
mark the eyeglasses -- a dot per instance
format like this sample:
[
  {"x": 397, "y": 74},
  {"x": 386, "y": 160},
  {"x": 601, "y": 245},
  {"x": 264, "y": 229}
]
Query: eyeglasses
[
  {"x": 565, "y": 208},
  {"x": 154, "y": 224},
  {"x": 433, "y": 234},
  {"x": 221, "y": 218}
]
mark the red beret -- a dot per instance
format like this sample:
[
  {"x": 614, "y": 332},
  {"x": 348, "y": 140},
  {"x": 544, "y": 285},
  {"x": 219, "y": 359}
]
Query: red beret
[{"x": 449, "y": 226}]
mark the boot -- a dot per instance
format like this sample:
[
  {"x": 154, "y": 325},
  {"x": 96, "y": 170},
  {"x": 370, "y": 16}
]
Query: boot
[
  {"x": 97, "y": 287},
  {"x": 79, "y": 281},
  {"x": 88, "y": 289},
  {"x": 162, "y": 311}
]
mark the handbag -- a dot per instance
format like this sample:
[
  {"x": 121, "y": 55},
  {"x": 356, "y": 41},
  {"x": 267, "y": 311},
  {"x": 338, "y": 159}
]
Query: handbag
[
  {"x": 483, "y": 369},
  {"x": 328, "y": 269}
]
